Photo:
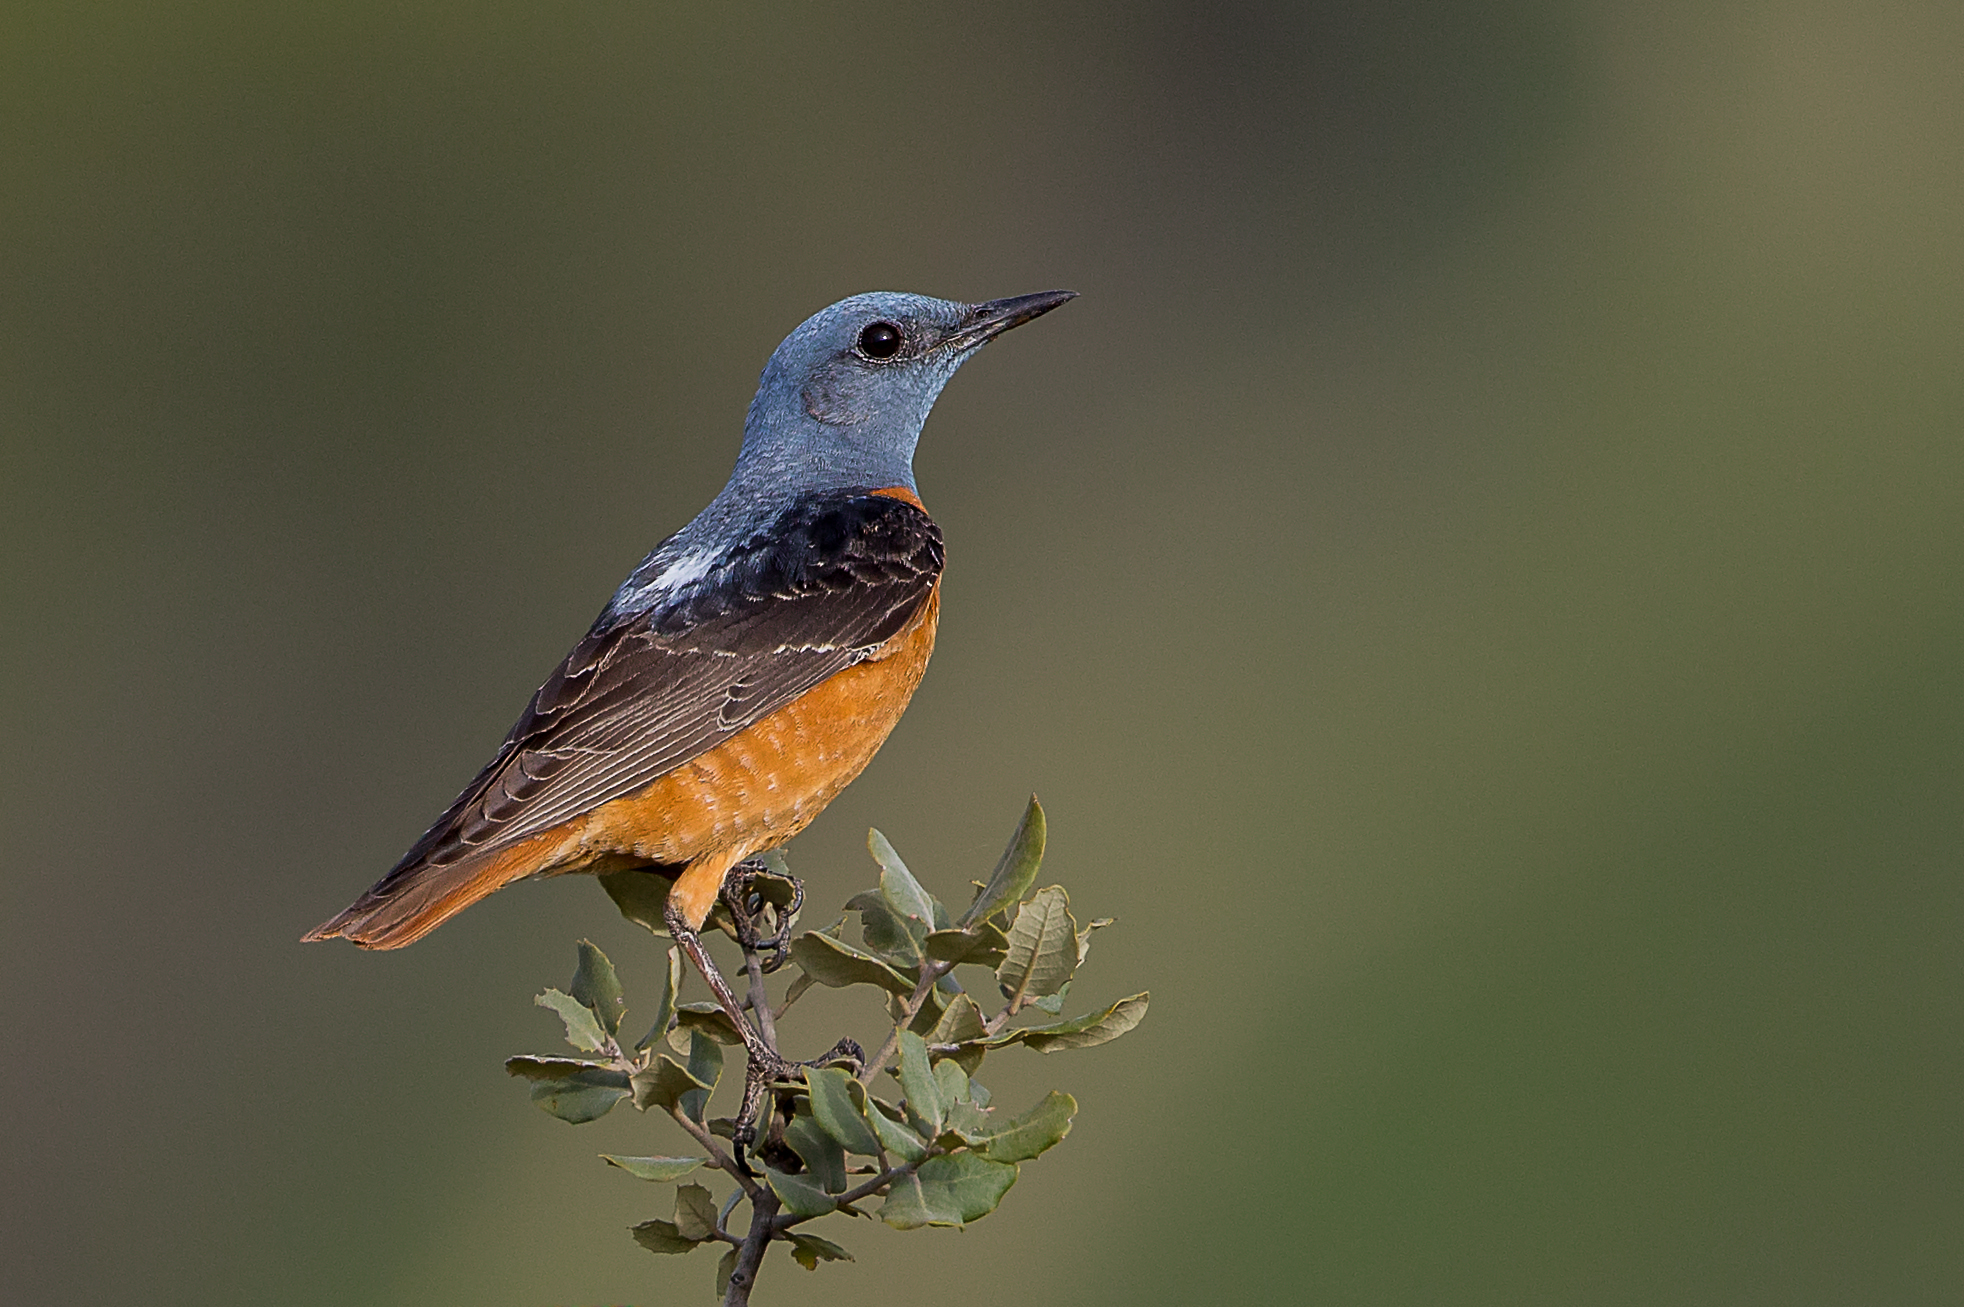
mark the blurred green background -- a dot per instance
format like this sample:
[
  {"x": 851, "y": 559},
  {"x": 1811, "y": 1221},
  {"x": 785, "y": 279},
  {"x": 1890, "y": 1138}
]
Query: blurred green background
[{"x": 1476, "y": 581}]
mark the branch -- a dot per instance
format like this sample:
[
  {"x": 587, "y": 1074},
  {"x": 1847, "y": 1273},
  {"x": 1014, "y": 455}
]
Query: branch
[
  {"x": 760, "y": 999},
  {"x": 931, "y": 973},
  {"x": 750, "y": 1253},
  {"x": 792, "y": 993},
  {"x": 719, "y": 1159}
]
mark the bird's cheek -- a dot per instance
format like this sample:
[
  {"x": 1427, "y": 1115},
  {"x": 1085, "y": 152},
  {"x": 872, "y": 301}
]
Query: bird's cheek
[{"x": 836, "y": 395}]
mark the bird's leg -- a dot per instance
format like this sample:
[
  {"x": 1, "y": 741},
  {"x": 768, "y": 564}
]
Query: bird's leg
[
  {"x": 747, "y": 909},
  {"x": 691, "y": 941},
  {"x": 763, "y": 1065}
]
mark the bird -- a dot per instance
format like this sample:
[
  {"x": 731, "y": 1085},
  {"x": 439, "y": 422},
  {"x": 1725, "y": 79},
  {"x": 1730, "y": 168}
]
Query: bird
[{"x": 752, "y": 664}]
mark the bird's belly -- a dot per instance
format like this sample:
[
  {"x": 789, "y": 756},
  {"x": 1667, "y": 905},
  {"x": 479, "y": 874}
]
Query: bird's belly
[{"x": 765, "y": 784}]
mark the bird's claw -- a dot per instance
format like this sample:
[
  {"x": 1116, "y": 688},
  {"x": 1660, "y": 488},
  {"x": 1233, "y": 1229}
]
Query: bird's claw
[
  {"x": 752, "y": 1127},
  {"x": 746, "y": 907}
]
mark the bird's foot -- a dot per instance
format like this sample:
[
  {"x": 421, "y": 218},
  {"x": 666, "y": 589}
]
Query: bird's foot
[
  {"x": 764, "y": 1066},
  {"x": 747, "y": 907},
  {"x": 761, "y": 1076}
]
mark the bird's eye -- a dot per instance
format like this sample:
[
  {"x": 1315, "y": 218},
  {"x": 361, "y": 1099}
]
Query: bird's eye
[{"x": 880, "y": 341}]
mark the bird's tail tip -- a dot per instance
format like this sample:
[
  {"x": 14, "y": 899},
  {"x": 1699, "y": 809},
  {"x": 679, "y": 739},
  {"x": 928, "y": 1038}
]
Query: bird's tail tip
[
  {"x": 405, "y": 906},
  {"x": 378, "y": 928},
  {"x": 333, "y": 928}
]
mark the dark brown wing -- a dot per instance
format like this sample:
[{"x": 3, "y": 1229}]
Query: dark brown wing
[{"x": 818, "y": 590}]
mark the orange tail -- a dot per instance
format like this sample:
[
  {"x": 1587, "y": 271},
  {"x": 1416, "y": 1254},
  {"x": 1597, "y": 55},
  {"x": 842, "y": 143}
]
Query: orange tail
[{"x": 405, "y": 907}]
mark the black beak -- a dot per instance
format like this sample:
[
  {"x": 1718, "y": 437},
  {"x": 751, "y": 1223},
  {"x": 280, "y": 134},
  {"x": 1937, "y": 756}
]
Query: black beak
[{"x": 987, "y": 321}]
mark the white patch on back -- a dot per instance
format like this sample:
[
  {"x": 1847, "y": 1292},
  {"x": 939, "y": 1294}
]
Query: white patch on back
[
  {"x": 685, "y": 570},
  {"x": 677, "y": 574}
]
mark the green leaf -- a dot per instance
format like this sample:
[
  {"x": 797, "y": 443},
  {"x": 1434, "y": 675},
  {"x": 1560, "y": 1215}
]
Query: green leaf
[
  {"x": 888, "y": 936},
  {"x": 897, "y": 1138},
  {"x": 808, "y": 1250},
  {"x": 582, "y": 1099},
  {"x": 710, "y": 1019},
  {"x": 967, "y": 1122},
  {"x": 952, "y": 1084},
  {"x": 1084, "y": 936},
  {"x": 655, "y": 1168},
  {"x": 1087, "y": 1031},
  {"x": 662, "y": 1237},
  {"x": 1015, "y": 873},
  {"x": 926, "y": 1016},
  {"x": 1040, "y": 1128},
  {"x": 981, "y": 944},
  {"x": 640, "y": 896},
  {"x": 917, "y": 1080},
  {"x": 663, "y": 1084},
  {"x": 897, "y": 885},
  {"x": 839, "y": 1104},
  {"x": 822, "y": 1155},
  {"x": 597, "y": 987},
  {"x": 906, "y": 1206},
  {"x": 705, "y": 1068},
  {"x": 960, "y": 1023},
  {"x": 838, "y": 964},
  {"x": 966, "y": 1056},
  {"x": 951, "y": 1190},
  {"x": 1042, "y": 948},
  {"x": 967, "y": 1184},
  {"x": 582, "y": 1027},
  {"x": 575, "y": 1091},
  {"x": 725, "y": 1269},
  {"x": 665, "y": 1006},
  {"x": 695, "y": 1212},
  {"x": 1052, "y": 1003},
  {"x": 551, "y": 1068},
  {"x": 800, "y": 1194}
]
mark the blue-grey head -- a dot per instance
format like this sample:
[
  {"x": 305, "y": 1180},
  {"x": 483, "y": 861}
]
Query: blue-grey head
[
  {"x": 843, "y": 399},
  {"x": 841, "y": 405}
]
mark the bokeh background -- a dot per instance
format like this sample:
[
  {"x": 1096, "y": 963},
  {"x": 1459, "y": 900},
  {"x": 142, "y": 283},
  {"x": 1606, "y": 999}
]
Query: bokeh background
[{"x": 1477, "y": 581}]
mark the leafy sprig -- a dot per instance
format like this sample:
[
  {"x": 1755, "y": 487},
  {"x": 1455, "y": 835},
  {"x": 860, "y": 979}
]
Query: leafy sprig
[{"x": 937, "y": 1153}]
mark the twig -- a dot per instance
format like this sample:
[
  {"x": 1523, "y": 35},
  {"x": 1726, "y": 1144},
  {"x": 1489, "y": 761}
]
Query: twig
[
  {"x": 993, "y": 1025},
  {"x": 719, "y": 1159},
  {"x": 931, "y": 973},
  {"x": 760, "y": 999},
  {"x": 792, "y": 993}
]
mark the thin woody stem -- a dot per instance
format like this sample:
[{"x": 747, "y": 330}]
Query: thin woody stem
[
  {"x": 719, "y": 1159},
  {"x": 931, "y": 973},
  {"x": 760, "y": 999},
  {"x": 792, "y": 993}
]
